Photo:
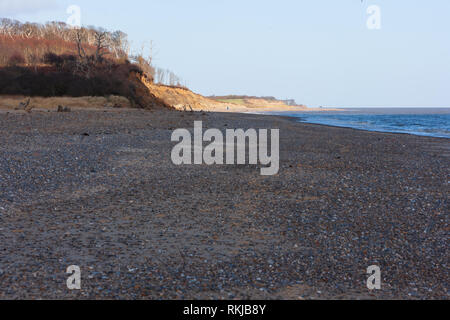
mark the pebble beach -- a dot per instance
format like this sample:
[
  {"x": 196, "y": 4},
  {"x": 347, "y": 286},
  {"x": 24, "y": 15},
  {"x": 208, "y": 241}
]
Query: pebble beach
[{"x": 98, "y": 189}]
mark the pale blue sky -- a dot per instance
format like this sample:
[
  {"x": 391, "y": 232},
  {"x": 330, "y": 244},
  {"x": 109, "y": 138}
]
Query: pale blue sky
[{"x": 319, "y": 52}]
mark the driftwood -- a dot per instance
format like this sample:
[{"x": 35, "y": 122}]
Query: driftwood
[
  {"x": 188, "y": 106},
  {"x": 24, "y": 105},
  {"x": 63, "y": 109}
]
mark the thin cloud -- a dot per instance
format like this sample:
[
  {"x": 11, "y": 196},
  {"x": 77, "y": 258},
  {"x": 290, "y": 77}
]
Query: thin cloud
[{"x": 16, "y": 7}]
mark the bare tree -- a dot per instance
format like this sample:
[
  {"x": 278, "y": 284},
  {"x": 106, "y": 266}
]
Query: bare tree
[
  {"x": 10, "y": 27},
  {"x": 80, "y": 36},
  {"x": 100, "y": 42},
  {"x": 119, "y": 44},
  {"x": 28, "y": 30}
]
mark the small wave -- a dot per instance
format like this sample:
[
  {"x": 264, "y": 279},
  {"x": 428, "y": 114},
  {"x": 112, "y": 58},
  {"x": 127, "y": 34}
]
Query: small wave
[{"x": 424, "y": 124}]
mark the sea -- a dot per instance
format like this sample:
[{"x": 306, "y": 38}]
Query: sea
[{"x": 433, "y": 122}]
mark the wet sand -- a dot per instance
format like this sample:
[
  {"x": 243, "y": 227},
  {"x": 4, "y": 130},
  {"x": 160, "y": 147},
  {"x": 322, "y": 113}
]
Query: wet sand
[{"x": 98, "y": 190}]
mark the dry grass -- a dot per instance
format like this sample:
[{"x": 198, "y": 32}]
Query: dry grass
[{"x": 52, "y": 103}]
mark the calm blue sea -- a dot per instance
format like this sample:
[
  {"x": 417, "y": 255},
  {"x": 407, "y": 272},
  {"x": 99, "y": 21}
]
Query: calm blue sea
[{"x": 434, "y": 122}]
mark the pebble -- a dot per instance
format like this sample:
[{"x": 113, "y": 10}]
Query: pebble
[{"x": 139, "y": 227}]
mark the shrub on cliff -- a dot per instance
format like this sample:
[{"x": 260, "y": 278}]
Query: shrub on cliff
[
  {"x": 68, "y": 76},
  {"x": 16, "y": 59}
]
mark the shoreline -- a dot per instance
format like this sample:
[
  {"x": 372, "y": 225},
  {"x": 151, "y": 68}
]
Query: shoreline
[
  {"x": 261, "y": 113},
  {"x": 304, "y": 121},
  {"x": 98, "y": 190}
]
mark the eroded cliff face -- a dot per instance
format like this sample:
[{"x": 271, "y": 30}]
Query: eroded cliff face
[
  {"x": 144, "y": 95},
  {"x": 183, "y": 99},
  {"x": 154, "y": 95}
]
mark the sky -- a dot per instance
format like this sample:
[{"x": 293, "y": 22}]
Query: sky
[{"x": 319, "y": 52}]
